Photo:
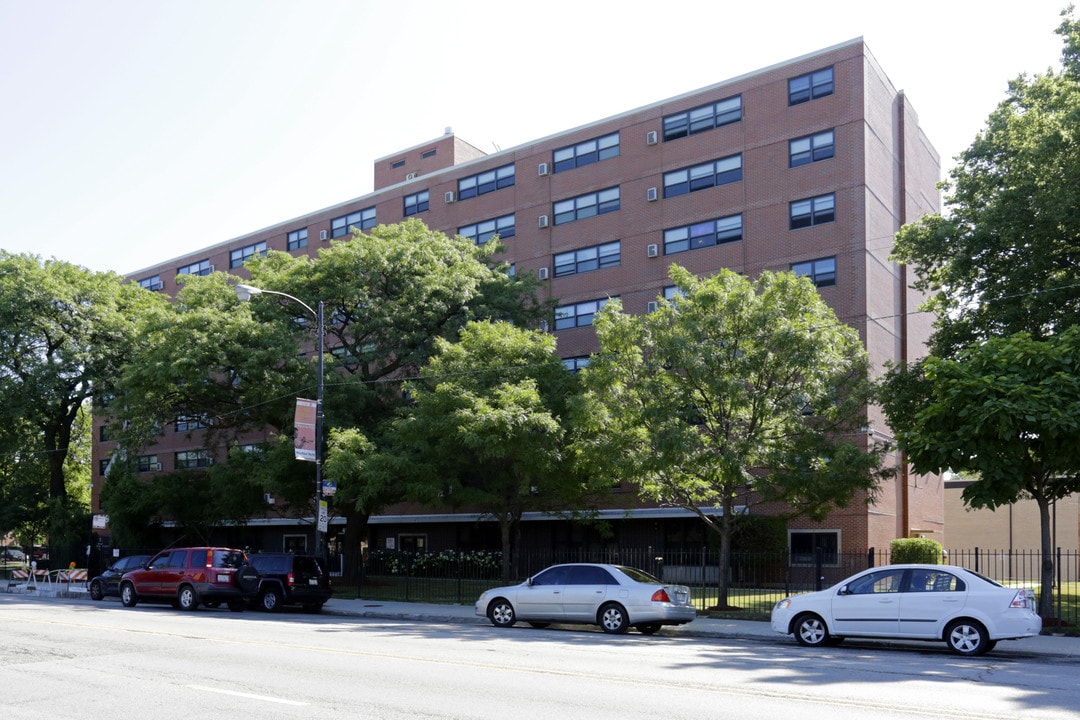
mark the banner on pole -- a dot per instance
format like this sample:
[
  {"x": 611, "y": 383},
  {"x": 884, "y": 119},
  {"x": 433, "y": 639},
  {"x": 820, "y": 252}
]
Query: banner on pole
[{"x": 304, "y": 444}]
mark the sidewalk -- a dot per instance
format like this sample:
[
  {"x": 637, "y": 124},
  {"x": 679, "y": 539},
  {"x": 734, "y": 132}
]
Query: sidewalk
[{"x": 1055, "y": 646}]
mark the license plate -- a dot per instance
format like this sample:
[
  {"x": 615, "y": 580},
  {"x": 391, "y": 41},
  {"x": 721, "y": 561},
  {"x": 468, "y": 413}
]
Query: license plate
[
  {"x": 312, "y": 581},
  {"x": 223, "y": 578}
]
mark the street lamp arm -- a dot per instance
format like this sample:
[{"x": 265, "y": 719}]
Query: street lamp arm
[{"x": 244, "y": 293}]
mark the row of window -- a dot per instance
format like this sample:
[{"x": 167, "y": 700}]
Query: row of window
[{"x": 802, "y": 151}]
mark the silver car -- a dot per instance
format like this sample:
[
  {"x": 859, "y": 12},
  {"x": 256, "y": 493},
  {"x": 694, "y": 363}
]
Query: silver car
[
  {"x": 614, "y": 597},
  {"x": 967, "y": 611}
]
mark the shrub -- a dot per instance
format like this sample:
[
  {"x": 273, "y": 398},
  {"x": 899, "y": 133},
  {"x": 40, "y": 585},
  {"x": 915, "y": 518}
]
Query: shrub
[{"x": 916, "y": 550}]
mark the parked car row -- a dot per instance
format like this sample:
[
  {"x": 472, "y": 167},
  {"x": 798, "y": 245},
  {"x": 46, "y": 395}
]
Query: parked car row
[
  {"x": 189, "y": 577},
  {"x": 967, "y": 611}
]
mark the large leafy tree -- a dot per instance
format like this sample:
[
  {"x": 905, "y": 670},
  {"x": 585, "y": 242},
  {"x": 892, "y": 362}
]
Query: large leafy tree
[
  {"x": 734, "y": 392},
  {"x": 67, "y": 333},
  {"x": 1003, "y": 264},
  {"x": 488, "y": 427},
  {"x": 1006, "y": 410},
  {"x": 388, "y": 295}
]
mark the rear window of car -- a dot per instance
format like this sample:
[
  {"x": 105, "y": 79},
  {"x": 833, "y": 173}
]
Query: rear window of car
[
  {"x": 639, "y": 575},
  {"x": 306, "y": 566},
  {"x": 270, "y": 563},
  {"x": 228, "y": 559}
]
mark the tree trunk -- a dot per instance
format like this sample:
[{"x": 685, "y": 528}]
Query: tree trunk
[
  {"x": 356, "y": 532},
  {"x": 727, "y": 523},
  {"x": 1046, "y": 595}
]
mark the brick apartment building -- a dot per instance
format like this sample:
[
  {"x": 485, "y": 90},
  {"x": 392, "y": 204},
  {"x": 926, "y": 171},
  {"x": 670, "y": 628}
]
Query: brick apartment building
[{"x": 810, "y": 165}]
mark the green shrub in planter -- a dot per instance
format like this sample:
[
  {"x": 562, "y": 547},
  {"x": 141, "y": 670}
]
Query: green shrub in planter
[{"x": 916, "y": 550}]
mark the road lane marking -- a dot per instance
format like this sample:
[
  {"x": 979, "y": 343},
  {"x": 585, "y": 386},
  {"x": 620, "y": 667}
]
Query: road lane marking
[{"x": 249, "y": 696}]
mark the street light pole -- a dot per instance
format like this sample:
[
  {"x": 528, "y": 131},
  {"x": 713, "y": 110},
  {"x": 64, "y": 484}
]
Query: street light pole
[{"x": 244, "y": 293}]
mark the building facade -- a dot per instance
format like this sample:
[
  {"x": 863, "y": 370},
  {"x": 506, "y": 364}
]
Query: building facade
[{"x": 810, "y": 165}]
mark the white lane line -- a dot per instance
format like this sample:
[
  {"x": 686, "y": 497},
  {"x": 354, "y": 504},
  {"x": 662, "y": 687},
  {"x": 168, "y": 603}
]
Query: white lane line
[{"x": 267, "y": 698}]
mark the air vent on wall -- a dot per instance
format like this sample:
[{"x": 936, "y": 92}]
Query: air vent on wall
[
  {"x": 542, "y": 273},
  {"x": 410, "y": 176},
  {"x": 449, "y": 196},
  {"x": 543, "y": 221},
  {"x": 650, "y": 137},
  {"x": 542, "y": 169},
  {"x": 651, "y": 194},
  {"x": 653, "y": 250}
]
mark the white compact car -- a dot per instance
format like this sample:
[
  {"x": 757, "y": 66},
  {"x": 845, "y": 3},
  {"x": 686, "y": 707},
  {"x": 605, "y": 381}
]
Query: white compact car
[
  {"x": 967, "y": 611},
  {"x": 614, "y": 597}
]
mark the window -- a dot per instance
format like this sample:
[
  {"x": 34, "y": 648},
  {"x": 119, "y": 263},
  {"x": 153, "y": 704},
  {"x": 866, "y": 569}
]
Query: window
[
  {"x": 806, "y": 545},
  {"x": 151, "y": 283},
  {"x": 703, "y": 234},
  {"x": 810, "y": 86},
  {"x": 934, "y": 581},
  {"x": 190, "y": 459},
  {"x": 103, "y": 466},
  {"x": 187, "y": 423},
  {"x": 703, "y": 118},
  {"x": 875, "y": 583},
  {"x": 416, "y": 203},
  {"x": 297, "y": 239},
  {"x": 428, "y": 153},
  {"x": 701, "y": 177},
  {"x": 822, "y": 272},
  {"x": 575, "y": 364},
  {"x": 237, "y": 258},
  {"x": 148, "y": 463},
  {"x": 586, "y": 153},
  {"x": 590, "y": 258},
  {"x": 577, "y": 315},
  {"x": 485, "y": 182},
  {"x": 397, "y": 164},
  {"x": 813, "y": 211},
  {"x": 481, "y": 232},
  {"x": 673, "y": 291},
  {"x": 586, "y": 206},
  {"x": 805, "y": 150},
  {"x": 361, "y": 220},
  {"x": 203, "y": 267}
]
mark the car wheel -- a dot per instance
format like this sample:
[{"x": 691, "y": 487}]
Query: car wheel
[
  {"x": 612, "y": 619},
  {"x": 270, "y": 600},
  {"x": 539, "y": 625},
  {"x": 186, "y": 598},
  {"x": 247, "y": 579},
  {"x": 237, "y": 605},
  {"x": 810, "y": 631},
  {"x": 501, "y": 613},
  {"x": 128, "y": 596},
  {"x": 96, "y": 591},
  {"x": 648, "y": 628},
  {"x": 967, "y": 637}
]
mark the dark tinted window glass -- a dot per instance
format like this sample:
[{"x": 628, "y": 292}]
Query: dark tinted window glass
[{"x": 551, "y": 576}]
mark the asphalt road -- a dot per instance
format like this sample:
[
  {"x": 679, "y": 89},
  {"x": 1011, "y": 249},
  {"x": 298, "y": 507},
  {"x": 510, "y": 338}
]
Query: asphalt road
[{"x": 74, "y": 659}]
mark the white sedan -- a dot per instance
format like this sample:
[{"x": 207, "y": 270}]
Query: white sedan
[
  {"x": 969, "y": 612},
  {"x": 614, "y": 597}
]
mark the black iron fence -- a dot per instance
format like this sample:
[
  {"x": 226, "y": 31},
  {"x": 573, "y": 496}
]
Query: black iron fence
[{"x": 755, "y": 581}]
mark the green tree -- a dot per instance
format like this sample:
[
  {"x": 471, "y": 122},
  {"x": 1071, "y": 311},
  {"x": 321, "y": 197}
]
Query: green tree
[
  {"x": 1006, "y": 257},
  {"x": 733, "y": 393},
  {"x": 1002, "y": 265},
  {"x": 239, "y": 366},
  {"x": 1007, "y": 410},
  {"x": 67, "y": 333},
  {"x": 488, "y": 428}
]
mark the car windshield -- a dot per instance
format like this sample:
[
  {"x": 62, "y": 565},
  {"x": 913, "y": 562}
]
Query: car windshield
[{"x": 637, "y": 575}]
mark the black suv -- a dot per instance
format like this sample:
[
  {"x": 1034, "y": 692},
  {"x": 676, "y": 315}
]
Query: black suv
[{"x": 287, "y": 579}]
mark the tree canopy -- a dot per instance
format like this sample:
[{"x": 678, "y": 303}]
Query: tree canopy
[{"x": 732, "y": 393}]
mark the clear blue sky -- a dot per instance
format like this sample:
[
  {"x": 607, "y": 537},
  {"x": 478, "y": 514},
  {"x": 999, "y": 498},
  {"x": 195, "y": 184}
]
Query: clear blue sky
[{"x": 132, "y": 131}]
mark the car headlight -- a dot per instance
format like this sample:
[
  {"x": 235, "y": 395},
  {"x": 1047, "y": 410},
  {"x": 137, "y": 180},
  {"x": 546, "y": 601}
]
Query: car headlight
[{"x": 783, "y": 604}]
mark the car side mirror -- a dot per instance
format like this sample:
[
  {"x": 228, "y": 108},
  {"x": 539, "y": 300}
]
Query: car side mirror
[{"x": 844, "y": 590}]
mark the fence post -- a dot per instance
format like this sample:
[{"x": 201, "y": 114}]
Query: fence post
[
  {"x": 976, "y": 558},
  {"x": 870, "y": 554}
]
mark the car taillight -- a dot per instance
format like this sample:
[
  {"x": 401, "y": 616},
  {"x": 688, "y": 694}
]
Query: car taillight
[
  {"x": 1021, "y": 599},
  {"x": 291, "y": 580},
  {"x": 660, "y": 596}
]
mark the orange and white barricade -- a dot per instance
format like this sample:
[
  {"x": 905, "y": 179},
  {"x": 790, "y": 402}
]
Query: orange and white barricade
[
  {"x": 19, "y": 579},
  {"x": 70, "y": 577}
]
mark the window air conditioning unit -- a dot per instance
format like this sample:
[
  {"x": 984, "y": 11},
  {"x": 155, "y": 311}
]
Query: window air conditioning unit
[
  {"x": 542, "y": 169},
  {"x": 651, "y": 194},
  {"x": 650, "y": 137},
  {"x": 653, "y": 250},
  {"x": 449, "y": 196},
  {"x": 543, "y": 326},
  {"x": 543, "y": 222},
  {"x": 324, "y": 235},
  {"x": 410, "y": 176},
  {"x": 542, "y": 273},
  {"x": 210, "y": 268},
  {"x": 268, "y": 498},
  {"x": 653, "y": 306},
  {"x": 157, "y": 467}
]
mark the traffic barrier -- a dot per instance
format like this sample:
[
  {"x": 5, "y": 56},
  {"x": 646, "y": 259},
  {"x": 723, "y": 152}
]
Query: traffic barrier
[{"x": 70, "y": 577}]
